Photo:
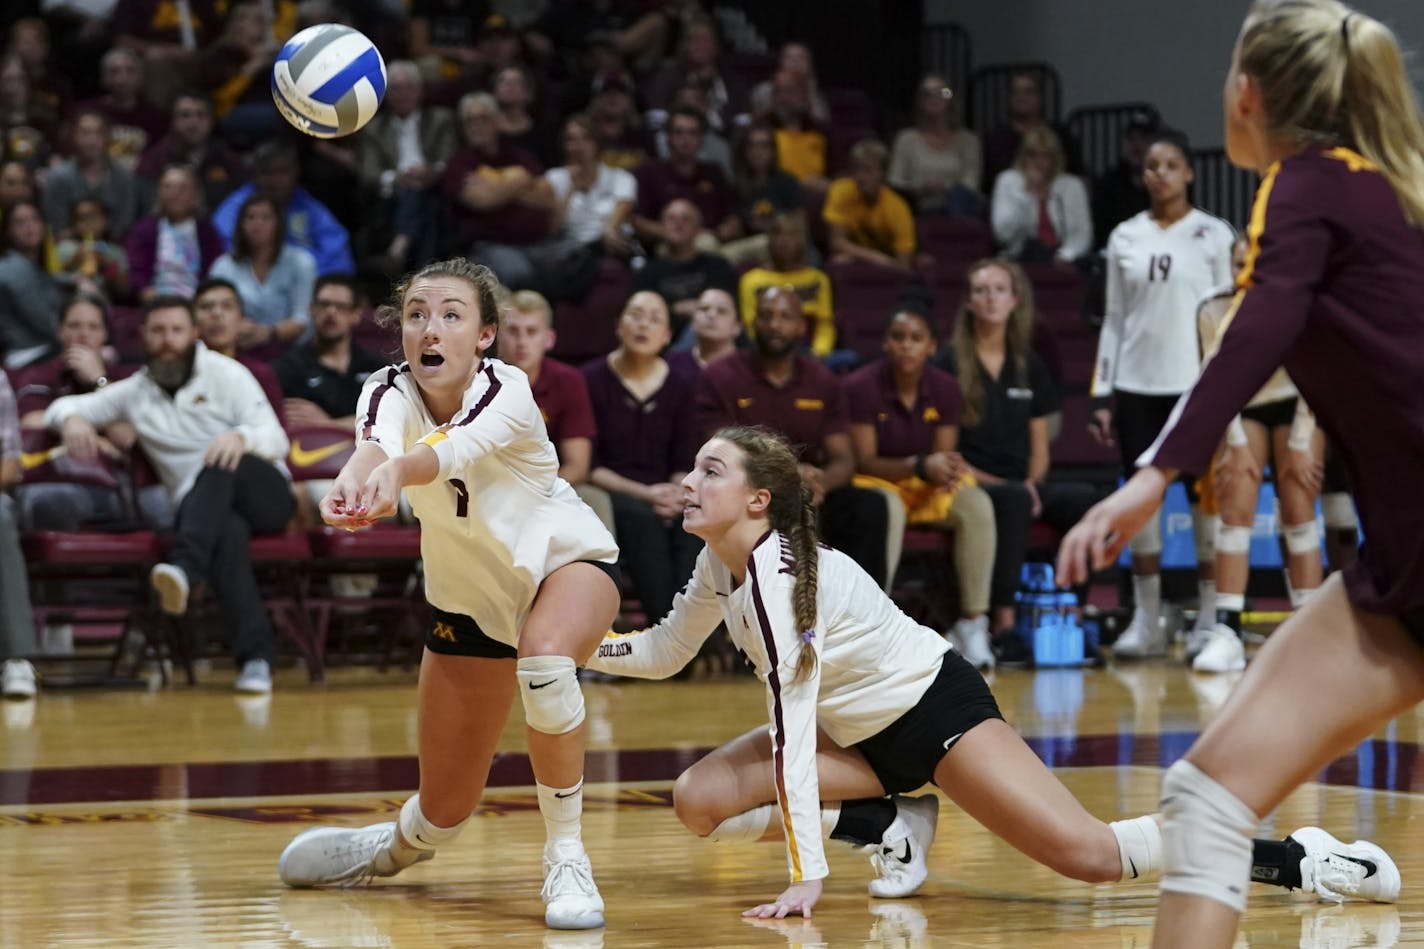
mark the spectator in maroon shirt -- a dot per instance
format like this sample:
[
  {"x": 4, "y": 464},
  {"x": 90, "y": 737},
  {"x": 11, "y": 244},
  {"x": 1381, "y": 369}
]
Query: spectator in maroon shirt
[
  {"x": 774, "y": 385},
  {"x": 86, "y": 363},
  {"x": 190, "y": 141},
  {"x": 501, "y": 200},
  {"x": 27, "y": 127},
  {"x": 1026, "y": 111},
  {"x": 526, "y": 334},
  {"x": 699, "y": 51},
  {"x": 681, "y": 175},
  {"x": 622, "y": 140},
  {"x": 237, "y": 70},
  {"x": 133, "y": 123},
  {"x": 646, "y": 442},
  {"x": 520, "y": 123},
  {"x": 716, "y": 330},
  {"x": 682, "y": 272},
  {"x": 904, "y": 429},
  {"x": 50, "y": 87},
  {"x": 217, "y": 307}
]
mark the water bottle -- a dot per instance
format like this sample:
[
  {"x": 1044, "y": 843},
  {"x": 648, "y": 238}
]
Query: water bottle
[{"x": 1070, "y": 634}]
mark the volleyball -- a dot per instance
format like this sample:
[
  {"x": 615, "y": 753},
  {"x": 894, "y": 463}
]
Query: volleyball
[{"x": 328, "y": 80}]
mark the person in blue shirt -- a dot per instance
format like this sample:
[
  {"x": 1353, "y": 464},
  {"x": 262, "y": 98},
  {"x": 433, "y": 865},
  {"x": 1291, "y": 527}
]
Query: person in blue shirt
[{"x": 310, "y": 225}]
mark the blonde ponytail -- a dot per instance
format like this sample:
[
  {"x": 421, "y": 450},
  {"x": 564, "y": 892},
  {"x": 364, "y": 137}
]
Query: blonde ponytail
[{"x": 1332, "y": 76}]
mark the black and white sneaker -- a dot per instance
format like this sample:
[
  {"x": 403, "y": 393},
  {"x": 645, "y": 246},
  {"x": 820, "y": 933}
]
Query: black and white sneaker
[
  {"x": 1336, "y": 871},
  {"x": 900, "y": 859}
]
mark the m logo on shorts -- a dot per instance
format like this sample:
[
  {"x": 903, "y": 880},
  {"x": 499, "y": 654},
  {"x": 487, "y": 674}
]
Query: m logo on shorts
[{"x": 443, "y": 631}]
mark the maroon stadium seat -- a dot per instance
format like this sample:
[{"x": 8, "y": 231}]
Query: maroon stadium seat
[{"x": 586, "y": 329}]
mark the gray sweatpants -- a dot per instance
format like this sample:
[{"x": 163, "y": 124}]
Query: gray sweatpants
[{"x": 17, "y": 622}]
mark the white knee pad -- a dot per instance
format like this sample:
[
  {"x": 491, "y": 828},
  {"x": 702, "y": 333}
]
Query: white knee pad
[
  {"x": 549, "y": 687},
  {"x": 1204, "y": 528},
  {"x": 1231, "y": 539},
  {"x": 1148, "y": 541},
  {"x": 746, "y": 827},
  {"x": 1206, "y": 837},
  {"x": 1302, "y": 538},
  {"x": 1339, "y": 511},
  {"x": 417, "y": 830}
]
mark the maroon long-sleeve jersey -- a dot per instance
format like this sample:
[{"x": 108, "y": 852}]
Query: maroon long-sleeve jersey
[{"x": 1333, "y": 289}]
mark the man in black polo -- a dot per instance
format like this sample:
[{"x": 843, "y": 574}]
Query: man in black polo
[{"x": 321, "y": 378}]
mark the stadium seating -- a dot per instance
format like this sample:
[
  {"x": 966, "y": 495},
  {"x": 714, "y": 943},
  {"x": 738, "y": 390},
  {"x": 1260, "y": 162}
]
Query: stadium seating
[{"x": 93, "y": 579}]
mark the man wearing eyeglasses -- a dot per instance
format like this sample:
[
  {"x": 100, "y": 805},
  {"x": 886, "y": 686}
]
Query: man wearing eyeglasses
[{"x": 321, "y": 377}]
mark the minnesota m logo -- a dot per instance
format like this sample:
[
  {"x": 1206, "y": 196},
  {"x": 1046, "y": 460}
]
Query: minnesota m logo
[{"x": 443, "y": 631}]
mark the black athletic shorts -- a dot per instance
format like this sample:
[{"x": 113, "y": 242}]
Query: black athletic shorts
[
  {"x": 1139, "y": 419},
  {"x": 1277, "y": 414},
  {"x": 454, "y": 634},
  {"x": 905, "y": 753}
]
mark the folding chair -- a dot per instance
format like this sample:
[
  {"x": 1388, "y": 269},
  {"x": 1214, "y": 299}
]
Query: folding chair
[
  {"x": 96, "y": 577},
  {"x": 389, "y": 551}
]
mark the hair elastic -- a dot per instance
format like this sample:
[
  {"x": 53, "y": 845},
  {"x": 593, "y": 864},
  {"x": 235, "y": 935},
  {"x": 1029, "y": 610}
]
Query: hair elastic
[{"x": 807, "y": 635}]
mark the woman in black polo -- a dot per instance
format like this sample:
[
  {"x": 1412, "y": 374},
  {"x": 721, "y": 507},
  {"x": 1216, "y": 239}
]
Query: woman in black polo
[{"x": 1003, "y": 429}]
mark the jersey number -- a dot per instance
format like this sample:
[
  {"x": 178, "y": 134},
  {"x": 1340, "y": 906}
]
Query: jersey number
[
  {"x": 462, "y": 498},
  {"x": 1159, "y": 267}
]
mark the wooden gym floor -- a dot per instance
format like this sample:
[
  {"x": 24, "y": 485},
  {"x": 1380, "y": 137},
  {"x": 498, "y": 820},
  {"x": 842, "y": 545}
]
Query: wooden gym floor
[{"x": 155, "y": 819}]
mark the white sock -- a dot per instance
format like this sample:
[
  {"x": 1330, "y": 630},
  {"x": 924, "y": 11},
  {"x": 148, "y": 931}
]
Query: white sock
[
  {"x": 1147, "y": 591},
  {"x": 1206, "y": 604},
  {"x": 1232, "y": 602},
  {"x": 1139, "y": 844},
  {"x": 417, "y": 830},
  {"x": 563, "y": 811},
  {"x": 1298, "y": 597}
]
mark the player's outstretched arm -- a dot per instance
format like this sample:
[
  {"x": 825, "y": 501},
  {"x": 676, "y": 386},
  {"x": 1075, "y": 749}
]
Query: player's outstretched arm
[
  {"x": 341, "y": 505},
  {"x": 1096, "y": 540}
]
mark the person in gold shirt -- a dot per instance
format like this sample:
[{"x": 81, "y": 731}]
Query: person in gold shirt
[
  {"x": 868, "y": 221},
  {"x": 788, "y": 268}
]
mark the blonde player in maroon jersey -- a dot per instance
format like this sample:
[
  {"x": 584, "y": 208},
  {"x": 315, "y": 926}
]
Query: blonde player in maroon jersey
[{"x": 1318, "y": 100}]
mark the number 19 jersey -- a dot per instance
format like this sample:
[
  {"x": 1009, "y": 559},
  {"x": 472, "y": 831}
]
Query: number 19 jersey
[
  {"x": 497, "y": 519},
  {"x": 1156, "y": 277}
]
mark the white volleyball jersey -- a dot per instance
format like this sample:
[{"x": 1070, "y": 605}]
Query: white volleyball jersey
[
  {"x": 497, "y": 519},
  {"x": 1155, "y": 279},
  {"x": 873, "y": 665}
]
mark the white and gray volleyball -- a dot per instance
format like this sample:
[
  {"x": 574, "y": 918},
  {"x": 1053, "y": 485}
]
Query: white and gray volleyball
[{"x": 328, "y": 80}]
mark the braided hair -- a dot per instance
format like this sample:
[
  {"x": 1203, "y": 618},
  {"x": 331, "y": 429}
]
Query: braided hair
[{"x": 770, "y": 464}]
